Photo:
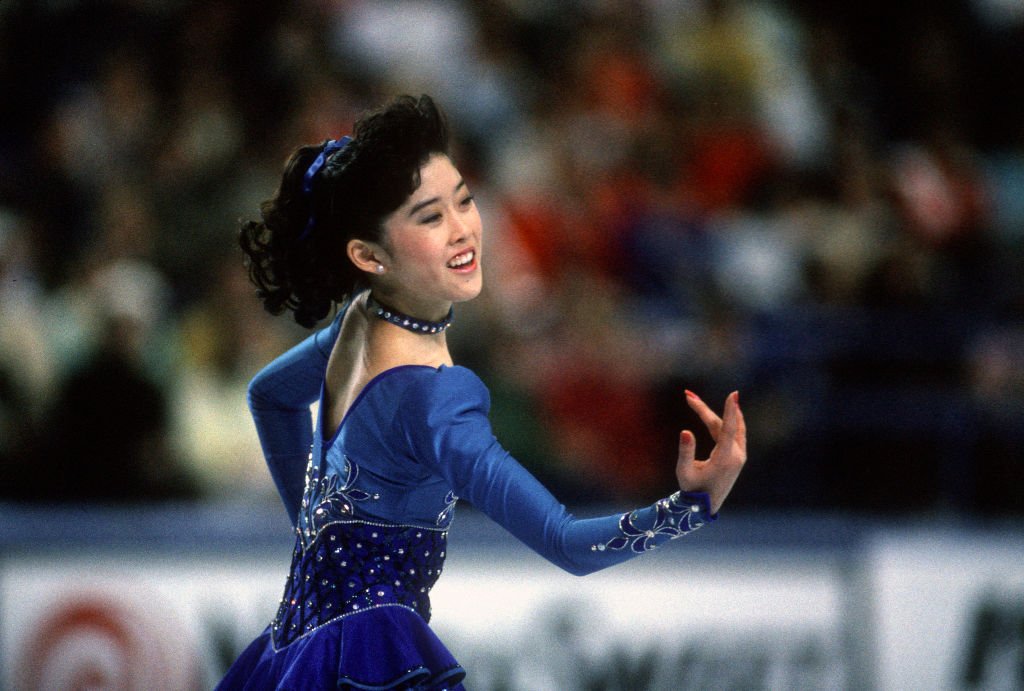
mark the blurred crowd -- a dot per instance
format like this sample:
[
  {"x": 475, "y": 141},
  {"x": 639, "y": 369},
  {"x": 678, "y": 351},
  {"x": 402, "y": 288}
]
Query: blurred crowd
[{"x": 819, "y": 204}]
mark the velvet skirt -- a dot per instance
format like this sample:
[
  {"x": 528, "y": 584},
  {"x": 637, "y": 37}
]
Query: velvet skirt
[{"x": 388, "y": 647}]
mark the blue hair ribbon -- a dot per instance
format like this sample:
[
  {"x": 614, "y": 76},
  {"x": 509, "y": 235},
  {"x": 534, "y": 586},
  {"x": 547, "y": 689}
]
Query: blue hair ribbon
[{"x": 329, "y": 148}]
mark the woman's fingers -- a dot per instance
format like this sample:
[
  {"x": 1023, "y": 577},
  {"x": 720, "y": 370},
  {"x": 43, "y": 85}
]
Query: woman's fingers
[
  {"x": 686, "y": 463},
  {"x": 707, "y": 416},
  {"x": 735, "y": 429},
  {"x": 717, "y": 475},
  {"x": 714, "y": 423},
  {"x": 687, "y": 451},
  {"x": 741, "y": 427},
  {"x": 730, "y": 423},
  {"x": 731, "y": 446}
]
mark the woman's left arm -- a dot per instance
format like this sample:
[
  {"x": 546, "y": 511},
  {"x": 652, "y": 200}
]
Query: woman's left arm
[{"x": 458, "y": 441}]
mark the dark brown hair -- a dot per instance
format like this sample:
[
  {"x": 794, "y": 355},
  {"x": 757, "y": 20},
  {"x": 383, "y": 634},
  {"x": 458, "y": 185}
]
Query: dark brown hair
[{"x": 355, "y": 190}]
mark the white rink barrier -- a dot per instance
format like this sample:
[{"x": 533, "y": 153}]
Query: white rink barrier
[{"x": 887, "y": 608}]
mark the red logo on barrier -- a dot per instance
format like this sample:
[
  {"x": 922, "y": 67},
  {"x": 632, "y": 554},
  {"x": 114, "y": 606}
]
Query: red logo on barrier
[{"x": 99, "y": 641}]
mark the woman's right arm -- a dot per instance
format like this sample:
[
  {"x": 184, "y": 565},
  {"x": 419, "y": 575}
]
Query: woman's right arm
[{"x": 279, "y": 399}]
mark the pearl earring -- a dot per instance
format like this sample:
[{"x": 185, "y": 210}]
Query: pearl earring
[{"x": 380, "y": 268}]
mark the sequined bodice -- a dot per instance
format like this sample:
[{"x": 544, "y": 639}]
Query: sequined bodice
[{"x": 344, "y": 564}]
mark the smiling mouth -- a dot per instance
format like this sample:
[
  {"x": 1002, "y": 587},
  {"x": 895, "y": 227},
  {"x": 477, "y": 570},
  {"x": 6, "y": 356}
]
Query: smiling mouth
[{"x": 463, "y": 261}]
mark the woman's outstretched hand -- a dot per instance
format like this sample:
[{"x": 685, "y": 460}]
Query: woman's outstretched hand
[{"x": 717, "y": 474}]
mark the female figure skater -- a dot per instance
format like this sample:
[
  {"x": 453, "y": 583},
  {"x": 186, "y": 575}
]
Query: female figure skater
[{"x": 383, "y": 226}]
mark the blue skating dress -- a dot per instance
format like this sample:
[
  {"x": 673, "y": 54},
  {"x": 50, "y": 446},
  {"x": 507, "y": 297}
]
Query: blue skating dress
[{"x": 372, "y": 505}]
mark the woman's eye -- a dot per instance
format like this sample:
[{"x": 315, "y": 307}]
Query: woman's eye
[
  {"x": 468, "y": 200},
  {"x": 432, "y": 218}
]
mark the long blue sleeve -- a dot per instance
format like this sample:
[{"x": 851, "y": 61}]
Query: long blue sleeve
[
  {"x": 445, "y": 423},
  {"x": 279, "y": 397}
]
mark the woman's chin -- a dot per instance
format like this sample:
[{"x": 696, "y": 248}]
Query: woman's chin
[{"x": 470, "y": 289}]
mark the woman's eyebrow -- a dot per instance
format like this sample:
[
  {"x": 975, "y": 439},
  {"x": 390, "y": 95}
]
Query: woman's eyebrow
[{"x": 428, "y": 202}]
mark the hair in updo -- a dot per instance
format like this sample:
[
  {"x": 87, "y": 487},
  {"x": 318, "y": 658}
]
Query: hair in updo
[{"x": 352, "y": 194}]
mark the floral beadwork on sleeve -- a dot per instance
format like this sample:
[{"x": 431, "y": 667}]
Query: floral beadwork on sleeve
[{"x": 674, "y": 517}]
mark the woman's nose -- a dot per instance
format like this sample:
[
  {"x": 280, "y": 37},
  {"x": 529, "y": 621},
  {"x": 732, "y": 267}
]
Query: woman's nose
[{"x": 462, "y": 226}]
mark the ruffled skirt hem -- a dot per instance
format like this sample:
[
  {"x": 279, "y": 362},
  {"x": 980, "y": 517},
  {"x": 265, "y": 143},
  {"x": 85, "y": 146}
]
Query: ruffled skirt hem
[{"x": 382, "y": 648}]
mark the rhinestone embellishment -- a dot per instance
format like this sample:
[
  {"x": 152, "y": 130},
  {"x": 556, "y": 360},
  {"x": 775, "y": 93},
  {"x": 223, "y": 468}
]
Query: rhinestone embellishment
[
  {"x": 420, "y": 326},
  {"x": 342, "y": 565},
  {"x": 674, "y": 517}
]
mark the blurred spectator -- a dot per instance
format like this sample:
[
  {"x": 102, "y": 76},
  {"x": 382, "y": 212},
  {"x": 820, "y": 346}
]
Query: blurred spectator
[
  {"x": 25, "y": 370},
  {"x": 997, "y": 386},
  {"x": 789, "y": 198},
  {"x": 221, "y": 341},
  {"x": 104, "y": 437}
]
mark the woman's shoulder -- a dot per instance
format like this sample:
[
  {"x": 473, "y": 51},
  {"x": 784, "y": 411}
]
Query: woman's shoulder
[
  {"x": 444, "y": 387},
  {"x": 426, "y": 379}
]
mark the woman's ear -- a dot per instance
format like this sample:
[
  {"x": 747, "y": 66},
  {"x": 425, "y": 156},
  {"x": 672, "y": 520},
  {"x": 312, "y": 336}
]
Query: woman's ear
[{"x": 367, "y": 256}]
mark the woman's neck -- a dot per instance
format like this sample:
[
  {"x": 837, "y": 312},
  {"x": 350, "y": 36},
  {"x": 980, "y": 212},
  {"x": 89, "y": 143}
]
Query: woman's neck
[
  {"x": 389, "y": 345},
  {"x": 413, "y": 307}
]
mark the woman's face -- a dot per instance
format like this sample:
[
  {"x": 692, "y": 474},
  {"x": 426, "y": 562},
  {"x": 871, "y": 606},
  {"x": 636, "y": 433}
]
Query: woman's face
[{"x": 432, "y": 245}]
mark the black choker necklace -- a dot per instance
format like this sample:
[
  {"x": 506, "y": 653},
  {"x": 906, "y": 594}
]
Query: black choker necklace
[{"x": 420, "y": 326}]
